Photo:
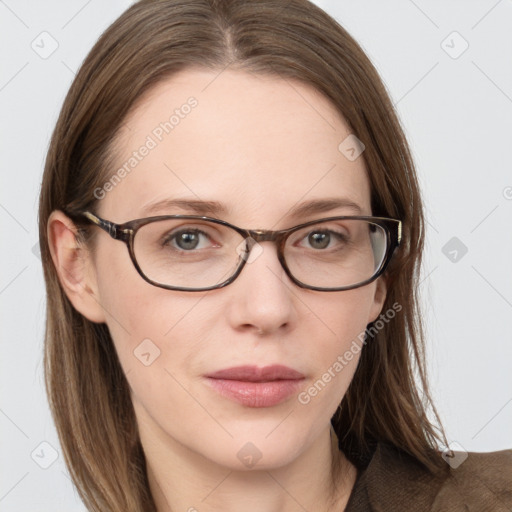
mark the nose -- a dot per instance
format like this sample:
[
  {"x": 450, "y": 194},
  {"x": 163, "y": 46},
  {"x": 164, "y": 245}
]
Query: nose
[{"x": 263, "y": 296}]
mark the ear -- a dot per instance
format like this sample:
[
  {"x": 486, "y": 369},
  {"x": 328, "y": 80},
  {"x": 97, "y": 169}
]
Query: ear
[
  {"x": 74, "y": 266},
  {"x": 378, "y": 299}
]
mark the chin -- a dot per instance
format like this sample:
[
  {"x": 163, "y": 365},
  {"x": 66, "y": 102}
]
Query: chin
[{"x": 256, "y": 449}]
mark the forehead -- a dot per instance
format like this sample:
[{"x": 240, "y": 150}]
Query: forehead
[{"x": 259, "y": 144}]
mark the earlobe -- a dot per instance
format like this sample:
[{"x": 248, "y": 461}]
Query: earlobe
[{"x": 74, "y": 267}]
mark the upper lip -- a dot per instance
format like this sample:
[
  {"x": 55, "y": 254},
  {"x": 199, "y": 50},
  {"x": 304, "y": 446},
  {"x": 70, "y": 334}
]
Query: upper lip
[{"x": 251, "y": 373}]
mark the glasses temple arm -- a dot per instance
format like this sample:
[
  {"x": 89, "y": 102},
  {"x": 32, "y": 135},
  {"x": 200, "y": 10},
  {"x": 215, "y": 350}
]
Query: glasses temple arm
[{"x": 109, "y": 227}]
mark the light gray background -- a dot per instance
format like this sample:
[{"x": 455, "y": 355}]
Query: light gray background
[{"x": 456, "y": 108}]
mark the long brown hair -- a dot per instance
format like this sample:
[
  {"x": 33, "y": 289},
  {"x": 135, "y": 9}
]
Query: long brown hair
[{"x": 388, "y": 399}]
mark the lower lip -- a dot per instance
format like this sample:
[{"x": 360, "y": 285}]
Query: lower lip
[{"x": 256, "y": 394}]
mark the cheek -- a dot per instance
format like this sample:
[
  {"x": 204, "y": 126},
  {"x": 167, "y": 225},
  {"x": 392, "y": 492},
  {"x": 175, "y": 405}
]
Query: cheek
[
  {"x": 335, "y": 350},
  {"x": 342, "y": 316},
  {"x": 142, "y": 319},
  {"x": 156, "y": 327},
  {"x": 161, "y": 340},
  {"x": 161, "y": 337}
]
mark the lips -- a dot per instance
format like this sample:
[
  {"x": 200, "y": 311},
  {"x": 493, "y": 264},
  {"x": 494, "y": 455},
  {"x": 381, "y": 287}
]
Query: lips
[
  {"x": 255, "y": 374},
  {"x": 252, "y": 386}
]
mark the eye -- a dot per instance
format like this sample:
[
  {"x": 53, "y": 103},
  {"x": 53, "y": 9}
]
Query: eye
[
  {"x": 323, "y": 238},
  {"x": 186, "y": 239}
]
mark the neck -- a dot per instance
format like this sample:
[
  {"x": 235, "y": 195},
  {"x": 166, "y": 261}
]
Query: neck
[{"x": 182, "y": 480}]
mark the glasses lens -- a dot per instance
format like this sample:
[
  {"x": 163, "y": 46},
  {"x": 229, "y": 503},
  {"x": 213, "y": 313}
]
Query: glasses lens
[
  {"x": 337, "y": 253},
  {"x": 187, "y": 253},
  {"x": 195, "y": 254}
]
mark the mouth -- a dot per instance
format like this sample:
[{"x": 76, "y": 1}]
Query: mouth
[{"x": 256, "y": 387}]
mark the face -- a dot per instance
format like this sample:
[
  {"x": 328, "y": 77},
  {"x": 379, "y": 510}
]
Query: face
[{"x": 260, "y": 146}]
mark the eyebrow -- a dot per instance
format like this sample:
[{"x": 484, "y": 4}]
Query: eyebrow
[{"x": 216, "y": 208}]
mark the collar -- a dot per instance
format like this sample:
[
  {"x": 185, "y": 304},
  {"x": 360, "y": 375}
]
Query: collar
[{"x": 388, "y": 479}]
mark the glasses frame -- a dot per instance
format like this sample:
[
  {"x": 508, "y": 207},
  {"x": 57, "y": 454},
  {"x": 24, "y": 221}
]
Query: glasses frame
[{"x": 126, "y": 232}]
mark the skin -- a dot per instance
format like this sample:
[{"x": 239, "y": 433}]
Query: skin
[{"x": 260, "y": 145}]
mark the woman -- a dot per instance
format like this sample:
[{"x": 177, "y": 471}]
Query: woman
[{"x": 254, "y": 345}]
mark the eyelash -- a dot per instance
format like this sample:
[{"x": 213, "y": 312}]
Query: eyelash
[{"x": 172, "y": 236}]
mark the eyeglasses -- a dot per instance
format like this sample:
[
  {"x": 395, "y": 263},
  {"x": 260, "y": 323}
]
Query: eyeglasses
[{"x": 196, "y": 253}]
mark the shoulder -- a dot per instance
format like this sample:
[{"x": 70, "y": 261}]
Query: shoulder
[
  {"x": 473, "y": 482},
  {"x": 477, "y": 481}
]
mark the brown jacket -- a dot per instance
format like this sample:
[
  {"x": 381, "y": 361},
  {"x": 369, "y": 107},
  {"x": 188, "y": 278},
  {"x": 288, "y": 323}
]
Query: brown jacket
[{"x": 393, "y": 481}]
